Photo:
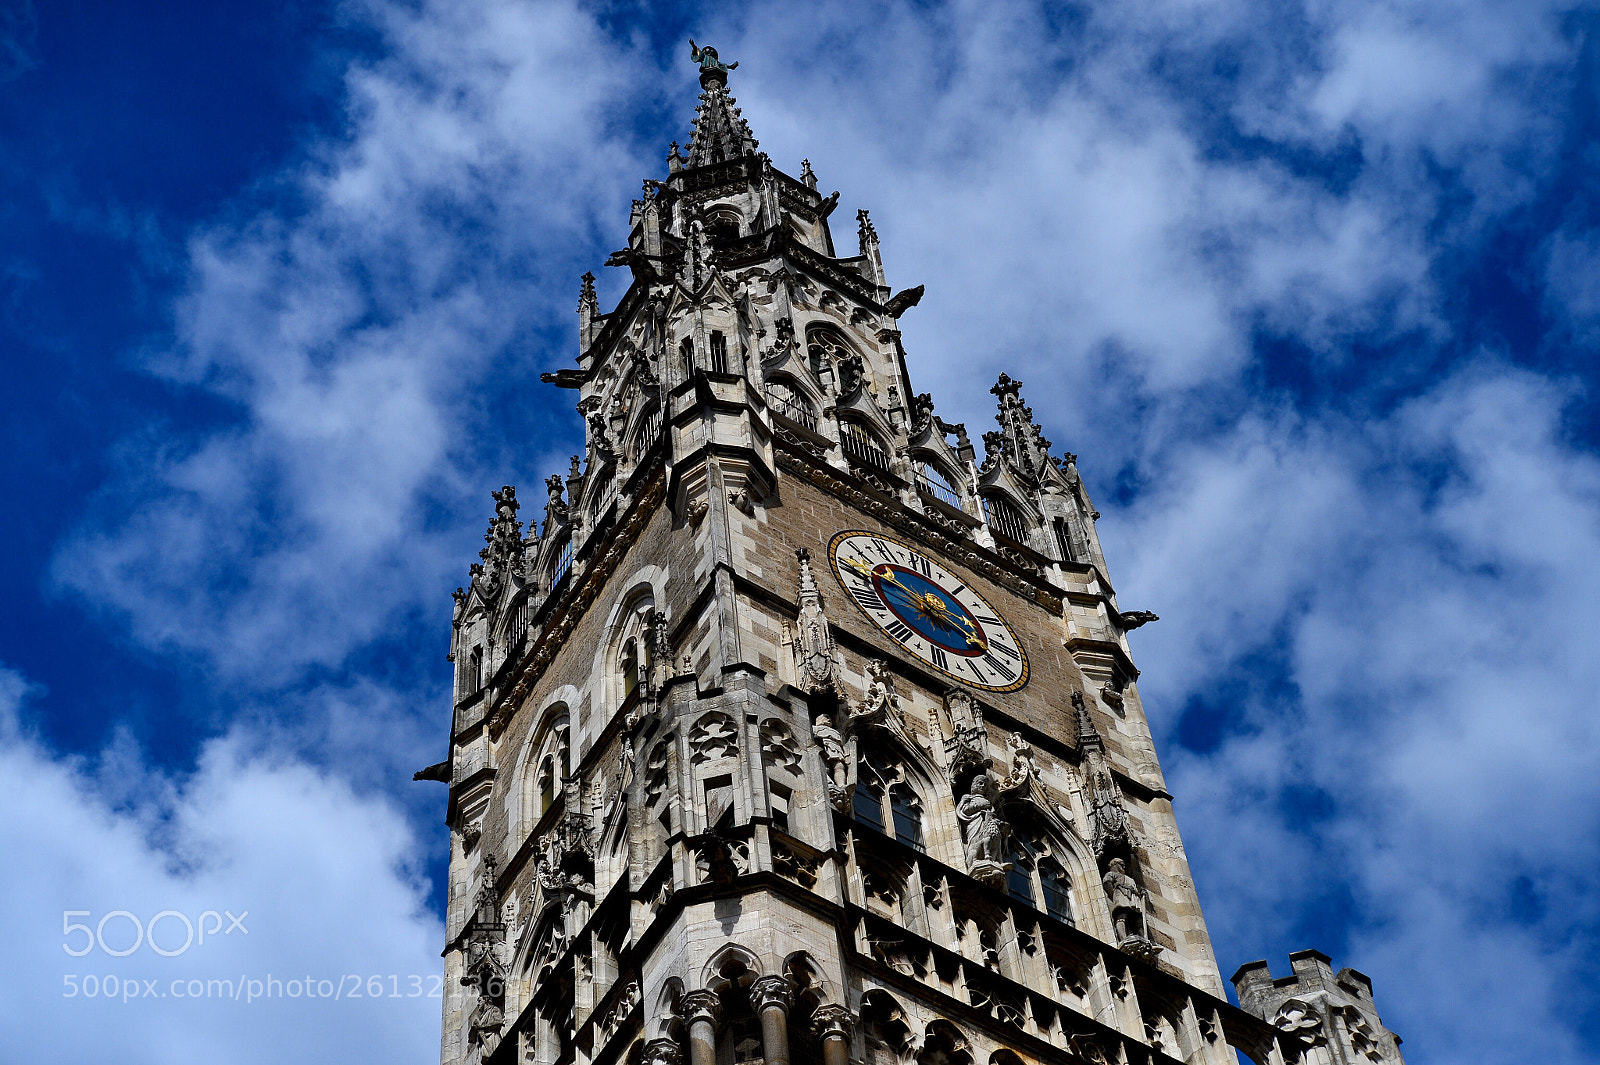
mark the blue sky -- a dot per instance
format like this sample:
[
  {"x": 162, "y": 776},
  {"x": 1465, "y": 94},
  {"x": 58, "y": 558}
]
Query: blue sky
[{"x": 1312, "y": 290}]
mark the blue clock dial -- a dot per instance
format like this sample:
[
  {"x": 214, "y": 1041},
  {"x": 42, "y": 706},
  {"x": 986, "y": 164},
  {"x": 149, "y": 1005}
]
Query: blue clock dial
[{"x": 933, "y": 614}]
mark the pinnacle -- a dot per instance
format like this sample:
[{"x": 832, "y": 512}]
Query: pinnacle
[{"x": 720, "y": 131}]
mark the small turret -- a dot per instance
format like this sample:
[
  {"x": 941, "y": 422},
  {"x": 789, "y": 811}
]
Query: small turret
[{"x": 1331, "y": 1016}]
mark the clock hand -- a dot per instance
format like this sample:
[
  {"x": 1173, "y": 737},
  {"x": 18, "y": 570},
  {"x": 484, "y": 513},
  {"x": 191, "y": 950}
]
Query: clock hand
[{"x": 932, "y": 603}]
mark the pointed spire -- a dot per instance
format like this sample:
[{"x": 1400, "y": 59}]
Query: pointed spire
[
  {"x": 720, "y": 131},
  {"x": 1020, "y": 438},
  {"x": 588, "y": 312},
  {"x": 807, "y": 175}
]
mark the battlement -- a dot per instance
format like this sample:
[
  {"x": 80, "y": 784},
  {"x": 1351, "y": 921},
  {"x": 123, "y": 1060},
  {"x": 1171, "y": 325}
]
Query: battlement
[{"x": 1319, "y": 1008}]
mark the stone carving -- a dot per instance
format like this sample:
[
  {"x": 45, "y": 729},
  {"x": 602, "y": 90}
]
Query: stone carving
[
  {"x": 816, "y": 659},
  {"x": 967, "y": 748},
  {"x": 716, "y": 735},
  {"x": 1133, "y": 619},
  {"x": 1127, "y": 899},
  {"x": 1108, "y": 818},
  {"x": 740, "y": 500},
  {"x": 881, "y": 705},
  {"x": 1299, "y": 1019},
  {"x": 697, "y": 511},
  {"x": 1363, "y": 1040},
  {"x": 834, "y": 757},
  {"x": 791, "y": 864},
  {"x": 778, "y": 749},
  {"x": 982, "y": 833},
  {"x": 719, "y": 859},
  {"x": 771, "y": 992},
  {"x": 662, "y": 1052},
  {"x": 831, "y": 1021},
  {"x": 655, "y": 772},
  {"x": 485, "y": 1028},
  {"x": 555, "y": 510},
  {"x": 1023, "y": 767},
  {"x": 1111, "y": 696}
]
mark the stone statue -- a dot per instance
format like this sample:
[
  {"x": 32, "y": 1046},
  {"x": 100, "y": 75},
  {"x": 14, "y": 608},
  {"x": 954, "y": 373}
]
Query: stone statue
[
  {"x": 707, "y": 58},
  {"x": 1127, "y": 901},
  {"x": 982, "y": 831},
  {"x": 832, "y": 744},
  {"x": 485, "y": 1026}
]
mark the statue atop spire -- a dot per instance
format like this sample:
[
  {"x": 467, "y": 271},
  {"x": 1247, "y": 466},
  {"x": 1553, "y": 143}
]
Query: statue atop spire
[
  {"x": 720, "y": 131},
  {"x": 713, "y": 71}
]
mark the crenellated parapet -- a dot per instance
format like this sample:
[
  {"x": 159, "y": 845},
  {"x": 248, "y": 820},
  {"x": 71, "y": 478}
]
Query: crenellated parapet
[{"x": 1329, "y": 1018}]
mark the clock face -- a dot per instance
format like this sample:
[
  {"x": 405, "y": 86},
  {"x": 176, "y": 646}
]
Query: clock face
[{"x": 931, "y": 612}]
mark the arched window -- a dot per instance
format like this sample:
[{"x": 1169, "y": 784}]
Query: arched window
[
  {"x": 932, "y": 479},
  {"x": 722, "y": 228},
  {"x": 686, "y": 356},
  {"x": 547, "y": 784},
  {"x": 886, "y": 803},
  {"x": 649, "y": 432},
  {"x": 563, "y": 562},
  {"x": 1037, "y": 878},
  {"x": 630, "y": 668},
  {"x": 785, "y": 399},
  {"x": 1005, "y": 518},
  {"x": 863, "y": 445},
  {"x": 823, "y": 349},
  {"x": 1064, "y": 539}
]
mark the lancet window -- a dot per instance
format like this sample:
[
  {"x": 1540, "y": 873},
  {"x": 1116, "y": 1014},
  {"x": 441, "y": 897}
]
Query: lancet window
[
  {"x": 863, "y": 445},
  {"x": 934, "y": 480},
  {"x": 785, "y": 399},
  {"x": 1005, "y": 518},
  {"x": 886, "y": 802}
]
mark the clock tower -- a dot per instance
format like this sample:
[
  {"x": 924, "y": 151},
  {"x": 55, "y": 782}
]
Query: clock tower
[{"x": 798, "y": 732}]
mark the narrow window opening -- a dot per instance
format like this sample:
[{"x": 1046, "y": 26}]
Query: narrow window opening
[
  {"x": 868, "y": 805},
  {"x": 719, "y": 801},
  {"x": 686, "y": 356},
  {"x": 1064, "y": 539},
  {"x": 907, "y": 817},
  {"x": 780, "y": 807},
  {"x": 630, "y": 669},
  {"x": 1057, "y": 891},
  {"x": 719, "y": 352}
]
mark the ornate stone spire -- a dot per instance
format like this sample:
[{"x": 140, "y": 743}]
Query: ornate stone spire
[
  {"x": 503, "y": 555},
  {"x": 1020, "y": 440},
  {"x": 720, "y": 131}
]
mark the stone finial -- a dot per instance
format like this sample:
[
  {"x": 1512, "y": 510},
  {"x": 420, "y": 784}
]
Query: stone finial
[
  {"x": 866, "y": 232},
  {"x": 808, "y": 177}
]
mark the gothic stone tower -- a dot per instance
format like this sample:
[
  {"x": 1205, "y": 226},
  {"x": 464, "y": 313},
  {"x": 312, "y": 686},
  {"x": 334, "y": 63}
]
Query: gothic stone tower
[{"x": 797, "y": 733}]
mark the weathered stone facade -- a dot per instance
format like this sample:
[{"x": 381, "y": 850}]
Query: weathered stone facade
[{"x": 707, "y": 805}]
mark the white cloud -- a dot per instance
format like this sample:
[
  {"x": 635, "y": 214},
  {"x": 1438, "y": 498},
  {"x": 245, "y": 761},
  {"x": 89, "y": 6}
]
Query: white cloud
[
  {"x": 1442, "y": 670},
  {"x": 329, "y": 880}
]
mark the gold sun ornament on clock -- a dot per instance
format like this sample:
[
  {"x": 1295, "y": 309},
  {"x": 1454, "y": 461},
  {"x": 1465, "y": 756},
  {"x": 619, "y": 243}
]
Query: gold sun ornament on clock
[{"x": 933, "y": 614}]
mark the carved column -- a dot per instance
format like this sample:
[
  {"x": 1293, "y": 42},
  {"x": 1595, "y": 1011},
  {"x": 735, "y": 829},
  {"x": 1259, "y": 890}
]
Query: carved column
[
  {"x": 832, "y": 1022},
  {"x": 771, "y": 996},
  {"x": 705, "y": 1013}
]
